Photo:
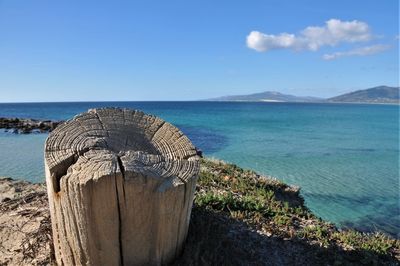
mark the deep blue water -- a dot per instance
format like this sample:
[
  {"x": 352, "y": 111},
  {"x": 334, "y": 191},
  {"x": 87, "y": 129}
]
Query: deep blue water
[{"x": 345, "y": 157}]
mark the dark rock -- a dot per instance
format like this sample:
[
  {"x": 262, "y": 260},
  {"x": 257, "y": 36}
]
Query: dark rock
[
  {"x": 6, "y": 199},
  {"x": 199, "y": 152},
  {"x": 26, "y": 126}
]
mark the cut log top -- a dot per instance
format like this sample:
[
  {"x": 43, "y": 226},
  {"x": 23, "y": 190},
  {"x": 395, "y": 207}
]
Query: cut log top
[{"x": 112, "y": 140}]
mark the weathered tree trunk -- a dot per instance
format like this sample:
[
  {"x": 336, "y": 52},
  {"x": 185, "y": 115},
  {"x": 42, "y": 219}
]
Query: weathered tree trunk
[{"x": 120, "y": 186}]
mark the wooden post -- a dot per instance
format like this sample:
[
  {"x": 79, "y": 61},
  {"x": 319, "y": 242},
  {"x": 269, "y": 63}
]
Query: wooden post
[{"x": 120, "y": 186}]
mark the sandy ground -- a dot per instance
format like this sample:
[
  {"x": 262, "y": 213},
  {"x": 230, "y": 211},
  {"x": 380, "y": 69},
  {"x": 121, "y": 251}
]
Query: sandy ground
[
  {"x": 24, "y": 223},
  {"x": 214, "y": 238}
]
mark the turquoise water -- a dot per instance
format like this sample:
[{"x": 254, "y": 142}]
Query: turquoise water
[{"x": 344, "y": 157}]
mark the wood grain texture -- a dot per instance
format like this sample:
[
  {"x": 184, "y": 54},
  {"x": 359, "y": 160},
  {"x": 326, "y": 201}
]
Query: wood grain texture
[{"x": 120, "y": 186}]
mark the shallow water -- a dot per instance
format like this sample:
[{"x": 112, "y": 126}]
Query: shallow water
[{"x": 344, "y": 157}]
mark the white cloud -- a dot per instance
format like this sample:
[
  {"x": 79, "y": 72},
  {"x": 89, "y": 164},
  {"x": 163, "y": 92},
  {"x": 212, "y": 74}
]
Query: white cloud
[
  {"x": 262, "y": 42},
  {"x": 362, "y": 51},
  {"x": 312, "y": 38}
]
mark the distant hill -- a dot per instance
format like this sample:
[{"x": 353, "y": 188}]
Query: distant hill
[
  {"x": 267, "y": 96},
  {"x": 381, "y": 94}
]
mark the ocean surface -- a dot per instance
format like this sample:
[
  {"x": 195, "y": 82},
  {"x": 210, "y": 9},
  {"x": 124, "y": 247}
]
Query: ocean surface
[{"x": 345, "y": 157}]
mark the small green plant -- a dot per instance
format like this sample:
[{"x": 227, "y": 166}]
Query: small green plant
[
  {"x": 378, "y": 242},
  {"x": 282, "y": 219},
  {"x": 245, "y": 196}
]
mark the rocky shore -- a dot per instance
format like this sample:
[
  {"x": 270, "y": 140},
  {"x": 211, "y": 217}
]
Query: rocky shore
[
  {"x": 238, "y": 218},
  {"x": 26, "y": 126}
]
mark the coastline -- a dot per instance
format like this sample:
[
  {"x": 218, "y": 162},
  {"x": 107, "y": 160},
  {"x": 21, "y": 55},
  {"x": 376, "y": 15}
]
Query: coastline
[
  {"x": 234, "y": 210},
  {"x": 28, "y": 147},
  {"x": 196, "y": 101},
  {"x": 316, "y": 102}
]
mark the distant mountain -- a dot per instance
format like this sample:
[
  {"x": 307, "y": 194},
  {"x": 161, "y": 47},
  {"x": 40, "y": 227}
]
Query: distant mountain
[
  {"x": 268, "y": 96},
  {"x": 381, "y": 94}
]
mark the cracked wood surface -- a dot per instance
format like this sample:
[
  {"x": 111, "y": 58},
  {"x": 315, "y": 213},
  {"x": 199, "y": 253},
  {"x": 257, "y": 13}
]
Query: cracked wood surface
[{"x": 120, "y": 186}]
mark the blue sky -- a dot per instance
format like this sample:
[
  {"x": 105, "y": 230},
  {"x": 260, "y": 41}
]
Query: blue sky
[{"x": 188, "y": 50}]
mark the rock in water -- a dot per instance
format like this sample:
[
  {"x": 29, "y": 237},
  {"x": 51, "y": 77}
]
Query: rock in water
[{"x": 26, "y": 126}]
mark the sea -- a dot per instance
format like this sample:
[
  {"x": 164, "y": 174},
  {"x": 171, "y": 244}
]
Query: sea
[{"x": 345, "y": 157}]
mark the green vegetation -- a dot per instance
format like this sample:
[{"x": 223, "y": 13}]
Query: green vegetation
[
  {"x": 229, "y": 199},
  {"x": 238, "y": 218}
]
